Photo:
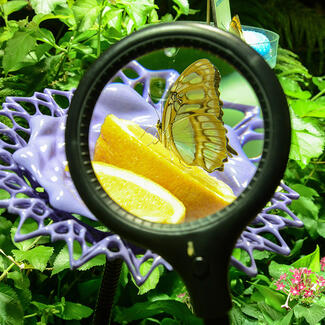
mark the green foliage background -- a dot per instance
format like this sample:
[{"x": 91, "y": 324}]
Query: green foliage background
[{"x": 50, "y": 43}]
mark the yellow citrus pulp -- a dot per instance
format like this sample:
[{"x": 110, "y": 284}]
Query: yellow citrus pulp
[
  {"x": 139, "y": 195},
  {"x": 125, "y": 144}
]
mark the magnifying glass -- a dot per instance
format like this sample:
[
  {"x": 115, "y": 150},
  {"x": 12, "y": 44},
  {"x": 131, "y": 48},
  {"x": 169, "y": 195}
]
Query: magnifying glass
[{"x": 163, "y": 163}]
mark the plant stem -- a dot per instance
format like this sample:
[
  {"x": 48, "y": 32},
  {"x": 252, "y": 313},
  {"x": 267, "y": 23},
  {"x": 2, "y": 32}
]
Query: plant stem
[
  {"x": 99, "y": 30},
  {"x": 318, "y": 95},
  {"x": 5, "y": 272},
  {"x": 31, "y": 315}
]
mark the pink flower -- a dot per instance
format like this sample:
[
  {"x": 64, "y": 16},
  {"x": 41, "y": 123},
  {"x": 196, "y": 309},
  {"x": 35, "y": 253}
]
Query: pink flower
[
  {"x": 308, "y": 293},
  {"x": 307, "y": 272},
  {"x": 280, "y": 286},
  {"x": 321, "y": 281},
  {"x": 322, "y": 263},
  {"x": 301, "y": 286},
  {"x": 283, "y": 276},
  {"x": 294, "y": 291},
  {"x": 295, "y": 280}
]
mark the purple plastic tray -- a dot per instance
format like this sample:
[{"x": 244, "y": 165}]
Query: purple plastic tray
[{"x": 40, "y": 163}]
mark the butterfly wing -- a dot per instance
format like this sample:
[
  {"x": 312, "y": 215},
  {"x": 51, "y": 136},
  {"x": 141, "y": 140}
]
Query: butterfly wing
[
  {"x": 235, "y": 27},
  {"x": 192, "y": 125}
]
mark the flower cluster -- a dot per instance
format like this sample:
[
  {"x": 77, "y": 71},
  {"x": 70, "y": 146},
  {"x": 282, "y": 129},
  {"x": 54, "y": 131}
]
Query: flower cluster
[
  {"x": 301, "y": 284},
  {"x": 322, "y": 263}
]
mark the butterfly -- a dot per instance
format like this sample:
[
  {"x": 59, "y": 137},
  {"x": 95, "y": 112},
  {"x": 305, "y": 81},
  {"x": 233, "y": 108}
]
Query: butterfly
[
  {"x": 235, "y": 27},
  {"x": 191, "y": 124}
]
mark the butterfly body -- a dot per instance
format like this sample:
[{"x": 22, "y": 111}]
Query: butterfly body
[{"x": 191, "y": 125}]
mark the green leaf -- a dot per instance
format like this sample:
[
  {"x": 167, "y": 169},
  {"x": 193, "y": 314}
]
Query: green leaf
[
  {"x": 312, "y": 314},
  {"x": 238, "y": 318},
  {"x": 272, "y": 298},
  {"x": 308, "y": 108},
  {"x": 310, "y": 261},
  {"x": 286, "y": 320},
  {"x": 20, "y": 279},
  {"x": 37, "y": 19},
  {"x": 45, "y": 6},
  {"x": 319, "y": 82},
  {"x": 74, "y": 311},
  {"x": 253, "y": 311},
  {"x": 147, "y": 309},
  {"x": 167, "y": 18},
  {"x": 183, "y": 6},
  {"x": 11, "y": 311},
  {"x": 311, "y": 225},
  {"x": 62, "y": 260},
  {"x": 304, "y": 190},
  {"x": 321, "y": 228},
  {"x": 276, "y": 269},
  {"x": 25, "y": 297},
  {"x": 306, "y": 207},
  {"x": 37, "y": 257},
  {"x": 270, "y": 314},
  {"x": 85, "y": 13},
  {"x": 307, "y": 139},
  {"x": 152, "y": 280},
  {"x": 13, "y": 6},
  {"x": 139, "y": 11},
  {"x": 292, "y": 89},
  {"x": 261, "y": 255},
  {"x": 44, "y": 35},
  {"x": 169, "y": 321},
  {"x": 113, "y": 18},
  {"x": 16, "y": 51}
]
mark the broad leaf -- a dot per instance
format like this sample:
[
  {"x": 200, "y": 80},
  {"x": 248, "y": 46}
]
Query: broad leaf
[
  {"x": 292, "y": 89},
  {"x": 152, "y": 280},
  {"x": 183, "y": 5},
  {"x": 37, "y": 257},
  {"x": 62, "y": 260},
  {"x": 286, "y": 320},
  {"x": 16, "y": 51},
  {"x": 238, "y": 318},
  {"x": 307, "y": 140},
  {"x": 139, "y": 11},
  {"x": 46, "y": 6},
  {"x": 13, "y": 6},
  {"x": 85, "y": 13},
  {"x": 312, "y": 314},
  {"x": 308, "y": 108},
  {"x": 310, "y": 261},
  {"x": 74, "y": 311},
  {"x": 11, "y": 311},
  {"x": 276, "y": 269},
  {"x": 113, "y": 18},
  {"x": 272, "y": 298},
  {"x": 304, "y": 190},
  {"x": 319, "y": 82},
  {"x": 146, "y": 309},
  {"x": 305, "y": 206}
]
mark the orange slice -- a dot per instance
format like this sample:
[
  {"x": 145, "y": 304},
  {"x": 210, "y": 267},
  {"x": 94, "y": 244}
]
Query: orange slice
[
  {"x": 139, "y": 195},
  {"x": 125, "y": 144}
]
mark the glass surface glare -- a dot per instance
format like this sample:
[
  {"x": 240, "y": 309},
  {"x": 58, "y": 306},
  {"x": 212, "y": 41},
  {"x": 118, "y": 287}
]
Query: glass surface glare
[{"x": 176, "y": 135}]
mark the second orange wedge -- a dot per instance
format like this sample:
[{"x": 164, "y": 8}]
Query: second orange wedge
[{"x": 125, "y": 144}]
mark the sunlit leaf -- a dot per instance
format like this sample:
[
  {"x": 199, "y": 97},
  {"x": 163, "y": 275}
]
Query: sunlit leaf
[
  {"x": 13, "y": 6},
  {"x": 46, "y": 6},
  {"x": 310, "y": 261}
]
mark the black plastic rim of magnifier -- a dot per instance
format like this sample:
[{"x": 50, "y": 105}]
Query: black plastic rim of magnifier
[{"x": 179, "y": 34}]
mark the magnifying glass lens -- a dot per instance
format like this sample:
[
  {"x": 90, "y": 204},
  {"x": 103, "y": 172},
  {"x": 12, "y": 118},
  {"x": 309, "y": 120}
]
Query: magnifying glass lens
[{"x": 176, "y": 135}]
